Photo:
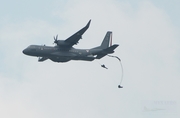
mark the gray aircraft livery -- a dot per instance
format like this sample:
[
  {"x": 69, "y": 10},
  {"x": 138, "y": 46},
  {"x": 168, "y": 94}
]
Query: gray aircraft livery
[{"x": 64, "y": 50}]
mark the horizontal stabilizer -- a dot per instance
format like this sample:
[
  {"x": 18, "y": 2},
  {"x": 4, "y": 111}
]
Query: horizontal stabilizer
[
  {"x": 99, "y": 56},
  {"x": 107, "y": 51},
  {"x": 111, "y": 49}
]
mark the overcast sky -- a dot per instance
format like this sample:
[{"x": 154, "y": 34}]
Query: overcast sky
[{"x": 147, "y": 32}]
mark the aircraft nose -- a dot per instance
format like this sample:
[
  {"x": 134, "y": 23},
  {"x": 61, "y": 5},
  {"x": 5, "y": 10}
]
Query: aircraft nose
[{"x": 24, "y": 51}]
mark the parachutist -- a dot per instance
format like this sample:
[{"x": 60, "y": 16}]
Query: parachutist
[
  {"x": 119, "y": 86},
  {"x": 104, "y": 66}
]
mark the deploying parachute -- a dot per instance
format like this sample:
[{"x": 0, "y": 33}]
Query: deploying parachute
[{"x": 119, "y": 86}]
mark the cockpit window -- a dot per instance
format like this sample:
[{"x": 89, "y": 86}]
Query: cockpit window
[{"x": 31, "y": 46}]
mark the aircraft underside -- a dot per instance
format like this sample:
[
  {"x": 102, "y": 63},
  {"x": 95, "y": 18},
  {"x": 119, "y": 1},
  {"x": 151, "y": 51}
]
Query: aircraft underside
[
  {"x": 58, "y": 59},
  {"x": 66, "y": 59}
]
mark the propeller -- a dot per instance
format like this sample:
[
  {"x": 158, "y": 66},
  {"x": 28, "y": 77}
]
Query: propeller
[{"x": 55, "y": 39}]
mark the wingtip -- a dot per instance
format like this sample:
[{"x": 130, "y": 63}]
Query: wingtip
[{"x": 89, "y": 22}]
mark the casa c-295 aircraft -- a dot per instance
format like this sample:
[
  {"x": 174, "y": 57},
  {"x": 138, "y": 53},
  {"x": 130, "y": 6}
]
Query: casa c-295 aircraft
[{"x": 64, "y": 50}]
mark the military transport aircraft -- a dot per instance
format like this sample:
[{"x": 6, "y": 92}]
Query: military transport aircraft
[{"x": 64, "y": 50}]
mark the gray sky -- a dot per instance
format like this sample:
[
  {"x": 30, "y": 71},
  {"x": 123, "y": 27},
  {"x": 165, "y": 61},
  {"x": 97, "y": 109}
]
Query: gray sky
[{"x": 147, "y": 32}]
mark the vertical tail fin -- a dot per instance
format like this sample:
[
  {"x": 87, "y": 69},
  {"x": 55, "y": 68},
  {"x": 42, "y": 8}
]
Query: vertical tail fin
[
  {"x": 107, "y": 42},
  {"x": 106, "y": 46}
]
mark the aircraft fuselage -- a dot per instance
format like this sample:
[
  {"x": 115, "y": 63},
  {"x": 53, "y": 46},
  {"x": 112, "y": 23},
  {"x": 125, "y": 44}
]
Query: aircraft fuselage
[
  {"x": 58, "y": 54},
  {"x": 64, "y": 51}
]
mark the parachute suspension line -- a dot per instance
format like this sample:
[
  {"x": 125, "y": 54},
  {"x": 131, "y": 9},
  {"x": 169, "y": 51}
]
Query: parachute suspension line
[
  {"x": 119, "y": 86},
  {"x": 122, "y": 72},
  {"x": 98, "y": 62}
]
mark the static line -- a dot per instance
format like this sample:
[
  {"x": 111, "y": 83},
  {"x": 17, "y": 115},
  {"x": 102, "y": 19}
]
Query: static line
[{"x": 121, "y": 68}]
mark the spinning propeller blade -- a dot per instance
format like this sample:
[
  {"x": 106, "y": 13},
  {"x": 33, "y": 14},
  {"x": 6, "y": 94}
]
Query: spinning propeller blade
[{"x": 55, "y": 39}]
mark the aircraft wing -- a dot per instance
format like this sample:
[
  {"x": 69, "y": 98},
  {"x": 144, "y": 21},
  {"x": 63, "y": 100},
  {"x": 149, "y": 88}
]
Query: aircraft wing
[
  {"x": 42, "y": 59},
  {"x": 77, "y": 36}
]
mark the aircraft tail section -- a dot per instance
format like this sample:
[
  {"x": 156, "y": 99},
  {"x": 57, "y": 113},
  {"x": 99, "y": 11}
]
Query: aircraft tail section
[
  {"x": 107, "y": 42},
  {"x": 106, "y": 46},
  {"x": 111, "y": 49},
  {"x": 106, "y": 51}
]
